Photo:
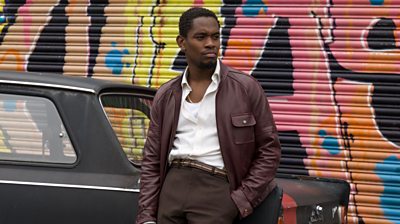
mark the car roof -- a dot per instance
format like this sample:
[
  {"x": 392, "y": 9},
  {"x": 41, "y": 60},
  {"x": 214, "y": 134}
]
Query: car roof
[{"x": 55, "y": 80}]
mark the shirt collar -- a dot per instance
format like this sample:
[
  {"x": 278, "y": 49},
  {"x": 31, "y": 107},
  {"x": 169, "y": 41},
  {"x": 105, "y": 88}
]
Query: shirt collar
[{"x": 216, "y": 77}]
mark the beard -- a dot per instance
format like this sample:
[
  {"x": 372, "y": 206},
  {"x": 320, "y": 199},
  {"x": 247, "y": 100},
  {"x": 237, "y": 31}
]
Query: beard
[{"x": 208, "y": 65}]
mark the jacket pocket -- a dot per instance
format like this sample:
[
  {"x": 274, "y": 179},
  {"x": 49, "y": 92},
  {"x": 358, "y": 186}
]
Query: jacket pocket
[{"x": 243, "y": 128}]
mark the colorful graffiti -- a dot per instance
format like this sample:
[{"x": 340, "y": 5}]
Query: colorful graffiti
[{"x": 329, "y": 67}]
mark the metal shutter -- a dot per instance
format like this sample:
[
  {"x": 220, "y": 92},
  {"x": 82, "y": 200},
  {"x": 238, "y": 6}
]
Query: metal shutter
[{"x": 330, "y": 69}]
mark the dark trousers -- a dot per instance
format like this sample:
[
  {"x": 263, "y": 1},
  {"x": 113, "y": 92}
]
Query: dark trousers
[{"x": 194, "y": 196}]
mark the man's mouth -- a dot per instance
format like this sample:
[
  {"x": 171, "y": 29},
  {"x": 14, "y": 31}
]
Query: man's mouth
[{"x": 210, "y": 54}]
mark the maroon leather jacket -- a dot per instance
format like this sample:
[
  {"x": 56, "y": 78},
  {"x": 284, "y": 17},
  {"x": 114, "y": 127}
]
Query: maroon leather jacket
[{"x": 247, "y": 135}]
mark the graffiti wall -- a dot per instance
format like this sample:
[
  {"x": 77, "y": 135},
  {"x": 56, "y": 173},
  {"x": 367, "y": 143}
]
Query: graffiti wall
[{"x": 330, "y": 69}]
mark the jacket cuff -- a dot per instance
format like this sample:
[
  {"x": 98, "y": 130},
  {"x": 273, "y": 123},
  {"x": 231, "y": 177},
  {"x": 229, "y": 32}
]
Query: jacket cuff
[
  {"x": 242, "y": 203},
  {"x": 145, "y": 216}
]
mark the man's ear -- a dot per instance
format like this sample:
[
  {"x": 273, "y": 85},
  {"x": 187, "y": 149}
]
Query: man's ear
[{"x": 180, "y": 41}]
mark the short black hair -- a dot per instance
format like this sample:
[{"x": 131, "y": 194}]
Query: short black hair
[{"x": 186, "y": 20}]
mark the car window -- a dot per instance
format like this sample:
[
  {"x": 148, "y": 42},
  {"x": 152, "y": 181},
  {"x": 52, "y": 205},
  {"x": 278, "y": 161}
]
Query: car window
[
  {"x": 31, "y": 130},
  {"x": 129, "y": 116}
]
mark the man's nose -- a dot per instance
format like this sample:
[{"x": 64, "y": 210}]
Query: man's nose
[{"x": 210, "y": 42}]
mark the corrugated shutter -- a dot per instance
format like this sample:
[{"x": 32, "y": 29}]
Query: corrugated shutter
[{"x": 329, "y": 67}]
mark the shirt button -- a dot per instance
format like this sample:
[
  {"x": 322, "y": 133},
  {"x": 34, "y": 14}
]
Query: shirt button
[{"x": 244, "y": 122}]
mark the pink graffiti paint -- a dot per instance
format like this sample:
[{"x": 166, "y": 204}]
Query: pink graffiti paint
[
  {"x": 24, "y": 12},
  {"x": 349, "y": 39}
]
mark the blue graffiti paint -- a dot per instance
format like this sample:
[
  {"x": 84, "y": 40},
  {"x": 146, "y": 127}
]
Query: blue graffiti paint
[
  {"x": 253, "y": 7},
  {"x": 2, "y": 19},
  {"x": 10, "y": 105},
  {"x": 377, "y": 2},
  {"x": 329, "y": 143},
  {"x": 114, "y": 59},
  {"x": 389, "y": 180}
]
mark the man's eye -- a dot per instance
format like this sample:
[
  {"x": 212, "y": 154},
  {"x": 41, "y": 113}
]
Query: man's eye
[
  {"x": 199, "y": 37},
  {"x": 216, "y": 37}
]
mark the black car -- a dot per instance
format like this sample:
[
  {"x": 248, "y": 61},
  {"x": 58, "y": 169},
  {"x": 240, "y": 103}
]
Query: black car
[{"x": 70, "y": 152}]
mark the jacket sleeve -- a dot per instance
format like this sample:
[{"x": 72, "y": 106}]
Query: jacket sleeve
[
  {"x": 150, "y": 169},
  {"x": 266, "y": 158}
]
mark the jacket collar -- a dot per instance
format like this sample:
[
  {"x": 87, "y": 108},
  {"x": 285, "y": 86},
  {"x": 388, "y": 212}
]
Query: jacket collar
[{"x": 224, "y": 70}]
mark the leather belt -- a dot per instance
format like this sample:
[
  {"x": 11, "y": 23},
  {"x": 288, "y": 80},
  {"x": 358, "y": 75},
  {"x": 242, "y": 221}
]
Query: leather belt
[{"x": 198, "y": 165}]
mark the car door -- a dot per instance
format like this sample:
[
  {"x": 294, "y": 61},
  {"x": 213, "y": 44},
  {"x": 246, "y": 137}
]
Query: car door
[{"x": 61, "y": 160}]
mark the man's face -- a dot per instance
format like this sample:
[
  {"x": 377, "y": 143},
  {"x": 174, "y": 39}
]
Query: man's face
[{"x": 202, "y": 43}]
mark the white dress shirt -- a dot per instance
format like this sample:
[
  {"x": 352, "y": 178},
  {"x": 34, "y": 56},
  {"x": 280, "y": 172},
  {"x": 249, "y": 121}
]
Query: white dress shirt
[{"x": 196, "y": 136}]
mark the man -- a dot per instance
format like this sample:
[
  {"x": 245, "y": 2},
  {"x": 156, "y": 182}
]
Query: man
[{"x": 212, "y": 148}]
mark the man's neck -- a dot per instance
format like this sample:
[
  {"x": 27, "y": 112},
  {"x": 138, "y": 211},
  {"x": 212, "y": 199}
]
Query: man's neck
[{"x": 198, "y": 75}]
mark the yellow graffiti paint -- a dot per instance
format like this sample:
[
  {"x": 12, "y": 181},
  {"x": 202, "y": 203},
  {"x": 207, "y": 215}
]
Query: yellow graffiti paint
[
  {"x": 3, "y": 147},
  {"x": 2, "y": 25}
]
